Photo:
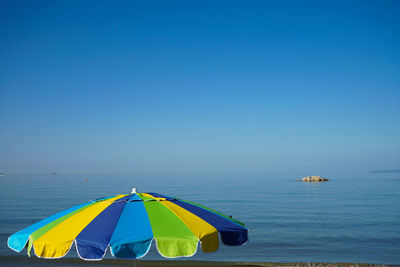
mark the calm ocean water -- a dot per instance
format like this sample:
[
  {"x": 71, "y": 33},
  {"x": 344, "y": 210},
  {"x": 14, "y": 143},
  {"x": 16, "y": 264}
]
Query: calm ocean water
[{"x": 353, "y": 218}]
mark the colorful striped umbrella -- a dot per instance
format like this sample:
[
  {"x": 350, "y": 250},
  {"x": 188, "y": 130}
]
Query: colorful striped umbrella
[{"x": 128, "y": 224}]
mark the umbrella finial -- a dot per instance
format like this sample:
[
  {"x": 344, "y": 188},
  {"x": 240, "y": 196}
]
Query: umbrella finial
[{"x": 133, "y": 191}]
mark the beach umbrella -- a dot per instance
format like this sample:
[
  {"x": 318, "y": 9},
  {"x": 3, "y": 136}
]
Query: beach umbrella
[{"x": 127, "y": 224}]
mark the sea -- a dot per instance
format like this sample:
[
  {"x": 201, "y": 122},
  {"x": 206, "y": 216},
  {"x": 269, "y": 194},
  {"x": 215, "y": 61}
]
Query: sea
[{"x": 355, "y": 217}]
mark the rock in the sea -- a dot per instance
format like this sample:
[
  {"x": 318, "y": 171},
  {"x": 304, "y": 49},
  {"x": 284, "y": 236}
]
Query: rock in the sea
[{"x": 314, "y": 178}]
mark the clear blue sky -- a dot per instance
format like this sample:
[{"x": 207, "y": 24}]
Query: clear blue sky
[{"x": 199, "y": 86}]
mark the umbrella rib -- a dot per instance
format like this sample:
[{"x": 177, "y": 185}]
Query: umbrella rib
[{"x": 146, "y": 200}]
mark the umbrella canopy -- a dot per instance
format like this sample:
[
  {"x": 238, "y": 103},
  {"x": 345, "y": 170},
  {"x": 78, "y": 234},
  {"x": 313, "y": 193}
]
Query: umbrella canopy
[{"x": 128, "y": 223}]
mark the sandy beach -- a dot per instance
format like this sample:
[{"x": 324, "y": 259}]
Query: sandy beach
[{"x": 26, "y": 261}]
